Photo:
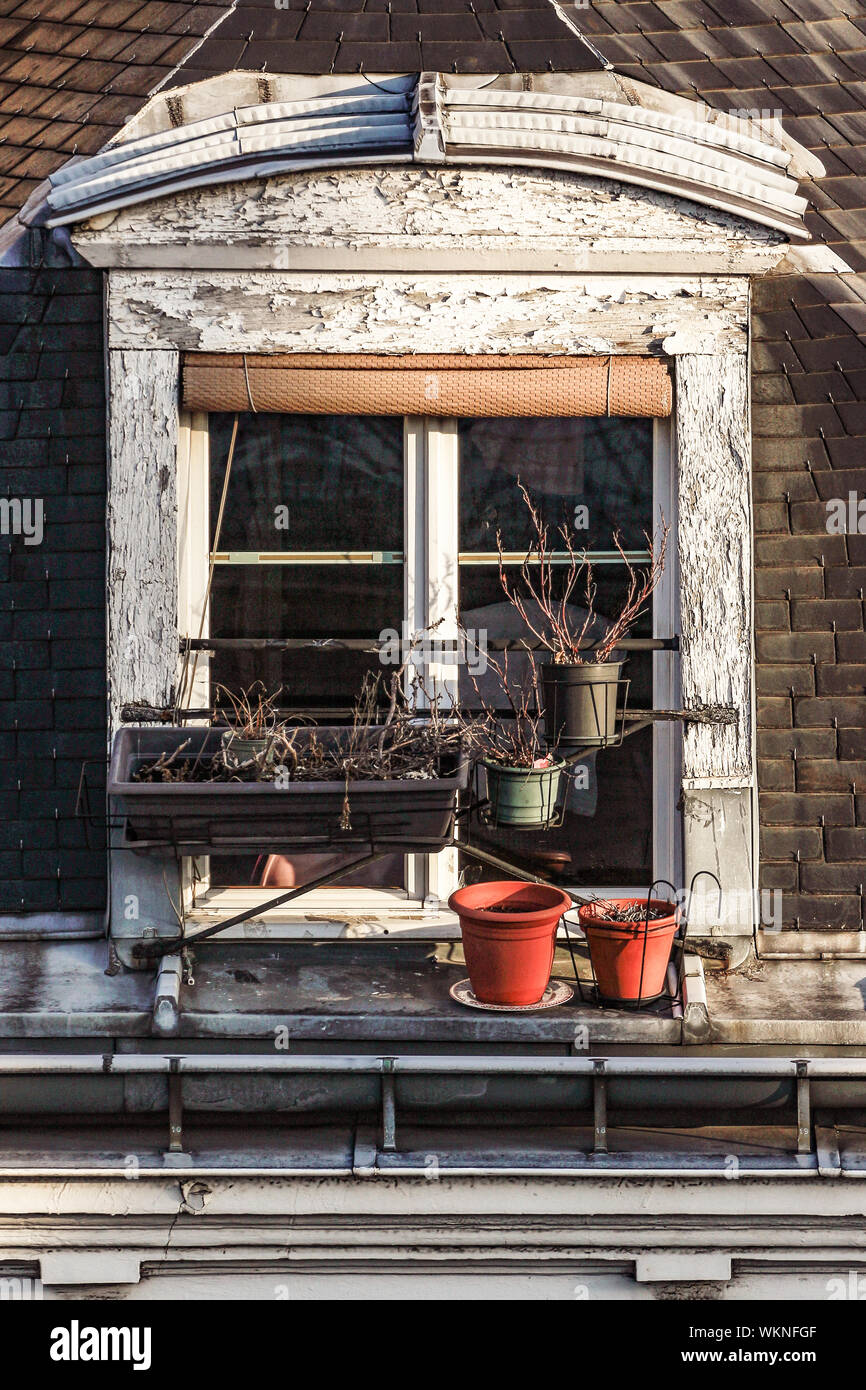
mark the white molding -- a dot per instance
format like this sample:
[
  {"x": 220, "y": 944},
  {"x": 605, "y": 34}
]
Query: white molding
[
  {"x": 714, "y": 523},
  {"x": 274, "y": 311},
  {"x": 395, "y": 219},
  {"x": 142, "y": 657}
]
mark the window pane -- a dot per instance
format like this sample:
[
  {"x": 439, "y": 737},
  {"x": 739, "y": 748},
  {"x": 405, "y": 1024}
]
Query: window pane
[
  {"x": 309, "y": 601},
  {"x": 310, "y": 482},
  {"x": 603, "y": 466},
  {"x": 606, "y": 467}
]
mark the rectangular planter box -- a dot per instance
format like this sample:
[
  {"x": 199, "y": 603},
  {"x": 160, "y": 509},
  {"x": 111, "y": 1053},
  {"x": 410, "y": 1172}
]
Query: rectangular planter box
[{"x": 232, "y": 817}]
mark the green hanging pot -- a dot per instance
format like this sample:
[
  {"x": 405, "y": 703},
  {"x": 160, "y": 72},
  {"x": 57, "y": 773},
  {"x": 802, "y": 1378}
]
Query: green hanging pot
[{"x": 523, "y": 796}]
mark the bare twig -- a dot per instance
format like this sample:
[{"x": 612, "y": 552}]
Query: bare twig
[{"x": 567, "y": 644}]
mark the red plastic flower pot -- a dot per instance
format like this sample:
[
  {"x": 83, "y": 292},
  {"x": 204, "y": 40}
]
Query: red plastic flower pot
[
  {"x": 509, "y": 936},
  {"x": 624, "y": 970}
]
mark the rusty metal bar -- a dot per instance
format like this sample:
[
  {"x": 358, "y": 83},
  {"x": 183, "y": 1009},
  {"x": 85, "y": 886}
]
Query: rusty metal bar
[{"x": 371, "y": 644}]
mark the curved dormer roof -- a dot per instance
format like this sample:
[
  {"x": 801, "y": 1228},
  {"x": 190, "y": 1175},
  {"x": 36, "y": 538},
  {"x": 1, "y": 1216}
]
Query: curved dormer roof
[{"x": 220, "y": 130}]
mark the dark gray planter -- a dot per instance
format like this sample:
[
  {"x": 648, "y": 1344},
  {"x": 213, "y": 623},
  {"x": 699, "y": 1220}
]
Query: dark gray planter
[
  {"x": 580, "y": 704},
  {"x": 231, "y": 817}
]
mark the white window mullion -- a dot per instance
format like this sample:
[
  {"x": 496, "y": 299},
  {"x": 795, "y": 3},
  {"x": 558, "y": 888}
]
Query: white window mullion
[
  {"x": 415, "y": 595},
  {"x": 415, "y": 585},
  {"x": 193, "y": 546}
]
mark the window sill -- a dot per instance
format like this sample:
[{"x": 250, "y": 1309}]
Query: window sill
[{"x": 324, "y": 916}]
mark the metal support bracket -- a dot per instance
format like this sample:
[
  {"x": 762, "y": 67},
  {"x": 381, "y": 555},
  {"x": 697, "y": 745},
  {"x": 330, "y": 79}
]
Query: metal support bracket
[
  {"x": 804, "y": 1110},
  {"x": 175, "y": 1107},
  {"x": 599, "y": 1105},
  {"x": 827, "y": 1145},
  {"x": 389, "y": 1107},
  {"x": 166, "y": 1003}
]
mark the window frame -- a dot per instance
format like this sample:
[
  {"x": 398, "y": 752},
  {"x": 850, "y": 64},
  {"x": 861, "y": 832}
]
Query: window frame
[{"x": 431, "y": 550}]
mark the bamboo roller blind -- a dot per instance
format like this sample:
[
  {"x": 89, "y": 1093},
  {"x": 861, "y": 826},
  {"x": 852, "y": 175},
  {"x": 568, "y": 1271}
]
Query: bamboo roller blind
[{"x": 444, "y": 385}]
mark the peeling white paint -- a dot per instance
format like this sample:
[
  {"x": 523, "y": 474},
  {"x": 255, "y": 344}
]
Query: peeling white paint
[{"x": 303, "y": 311}]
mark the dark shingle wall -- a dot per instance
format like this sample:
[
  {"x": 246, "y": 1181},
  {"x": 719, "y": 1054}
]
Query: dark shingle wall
[
  {"x": 807, "y": 60},
  {"x": 52, "y": 596},
  {"x": 808, "y": 393}
]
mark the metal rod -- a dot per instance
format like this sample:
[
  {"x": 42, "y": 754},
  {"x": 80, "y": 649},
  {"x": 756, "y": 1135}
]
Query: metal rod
[
  {"x": 364, "y": 644},
  {"x": 711, "y": 714},
  {"x": 307, "y": 557},
  {"x": 137, "y": 713},
  {"x": 396, "y": 557},
  {"x": 819, "y": 1068},
  {"x": 524, "y": 875},
  {"x": 555, "y": 557}
]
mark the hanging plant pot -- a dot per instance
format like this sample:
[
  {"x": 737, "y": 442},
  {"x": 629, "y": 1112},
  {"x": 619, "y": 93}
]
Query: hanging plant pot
[
  {"x": 580, "y": 703},
  {"x": 509, "y": 936},
  {"x": 523, "y": 796},
  {"x": 629, "y": 959}
]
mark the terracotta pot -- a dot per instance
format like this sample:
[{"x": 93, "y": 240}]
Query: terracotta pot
[
  {"x": 624, "y": 970},
  {"x": 509, "y": 954}
]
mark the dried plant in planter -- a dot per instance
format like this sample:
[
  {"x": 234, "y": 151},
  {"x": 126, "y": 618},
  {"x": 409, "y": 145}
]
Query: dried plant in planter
[
  {"x": 391, "y": 737},
  {"x": 409, "y": 742},
  {"x": 512, "y": 737},
  {"x": 581, "y": 680},
  {"x": 566, "y": 642},
  {"x": 524, "y": 779},
  {"x": 258, "y": 737},
  {"x": 401, "y": 767},
  {"x": 255, "y": 711}
]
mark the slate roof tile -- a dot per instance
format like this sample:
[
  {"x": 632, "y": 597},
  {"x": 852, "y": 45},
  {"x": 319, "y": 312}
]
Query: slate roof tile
[
  {"x": 453, "y": 38},
  {"x": 276, "y": 54},
  {"x": 337, "y": 26},
  {"x": 525, "y": 23},
  {"x": 353, "y": 57},
  {"x": 485, "y": 55},
  {"x": 767, "y": 39},
  {"x": 265, "y": 21}
]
